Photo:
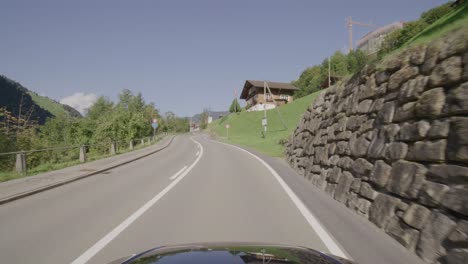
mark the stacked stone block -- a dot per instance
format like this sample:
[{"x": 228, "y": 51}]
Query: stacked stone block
[{"x": 392, "y": 144}]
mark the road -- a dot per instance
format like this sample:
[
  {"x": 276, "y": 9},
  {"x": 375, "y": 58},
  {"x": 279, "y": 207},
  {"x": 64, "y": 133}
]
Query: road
[{"x": 196, "y": 190}]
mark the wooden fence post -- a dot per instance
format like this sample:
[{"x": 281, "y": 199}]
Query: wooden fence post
[{"x": 83, "y": 154}]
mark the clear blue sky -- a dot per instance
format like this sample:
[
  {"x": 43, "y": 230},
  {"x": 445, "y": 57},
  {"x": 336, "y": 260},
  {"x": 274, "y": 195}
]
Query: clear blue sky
[{"x": 182, "y": 55}]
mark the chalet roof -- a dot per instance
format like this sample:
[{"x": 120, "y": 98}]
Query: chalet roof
[{"x": 273, "y": 85}]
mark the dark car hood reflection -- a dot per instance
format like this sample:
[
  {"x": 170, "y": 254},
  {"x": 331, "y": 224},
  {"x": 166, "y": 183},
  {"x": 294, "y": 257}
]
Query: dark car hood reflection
[{"x": 212, "y": 253}]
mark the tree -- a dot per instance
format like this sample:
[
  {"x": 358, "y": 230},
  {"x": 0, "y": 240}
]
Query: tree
[
  {"x": 235, "y": 107},
  {"x": 204, "y": 119}
]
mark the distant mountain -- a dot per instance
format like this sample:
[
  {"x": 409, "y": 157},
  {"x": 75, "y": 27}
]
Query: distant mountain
[
  {"x": 15, "y": 98},
  {"x": 214, "y": 114}
]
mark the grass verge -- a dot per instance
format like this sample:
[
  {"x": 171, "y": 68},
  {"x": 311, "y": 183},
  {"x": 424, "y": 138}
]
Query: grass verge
[{"x": 246, "y": 127}]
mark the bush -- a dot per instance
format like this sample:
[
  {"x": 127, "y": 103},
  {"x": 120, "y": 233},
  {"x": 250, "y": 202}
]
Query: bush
[{"x": 434, "y": 14}]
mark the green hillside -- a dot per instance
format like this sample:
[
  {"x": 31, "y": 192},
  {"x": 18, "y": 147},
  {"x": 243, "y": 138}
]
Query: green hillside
[
  {"x": 53, "y": 107},
  {"x": 37, "y": 108},
  {"x": 246, "y": 127}
]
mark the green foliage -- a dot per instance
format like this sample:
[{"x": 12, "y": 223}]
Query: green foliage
[
  {"x": 172, "y": 123},
  {"x": 204, "y": 119},
  {"x": 410, "y": 30},
  {"x": 235, "y": 106},
  {"x": 341, "y": 65},
  {"x": 436, "y": 13}
]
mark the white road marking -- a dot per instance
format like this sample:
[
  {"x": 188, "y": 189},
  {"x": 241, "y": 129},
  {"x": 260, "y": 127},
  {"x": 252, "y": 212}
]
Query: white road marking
[
  {"x": 177, "y": 174},
  {"x": 198, "y": 153},
  {"x": 92, "y": 251},
  {"x": 324, "y": 235}
]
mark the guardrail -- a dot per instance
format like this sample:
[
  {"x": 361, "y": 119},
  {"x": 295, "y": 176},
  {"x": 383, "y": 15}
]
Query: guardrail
[{"x": 21, "y": 156}]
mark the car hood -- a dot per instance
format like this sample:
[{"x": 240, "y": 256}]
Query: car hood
[{"x": 233, "y": 253}]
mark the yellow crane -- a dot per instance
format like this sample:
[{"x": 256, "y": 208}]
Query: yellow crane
[{"x": 349, "y": 24}]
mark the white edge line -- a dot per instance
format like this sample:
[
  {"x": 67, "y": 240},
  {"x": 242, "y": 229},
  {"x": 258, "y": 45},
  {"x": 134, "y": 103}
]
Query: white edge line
[
  {"x": 324, "y": 235},
  {"x": 93, "y": 250},
  {"x": 177, "y": 173},
  {"x": 198, "y": 153}
]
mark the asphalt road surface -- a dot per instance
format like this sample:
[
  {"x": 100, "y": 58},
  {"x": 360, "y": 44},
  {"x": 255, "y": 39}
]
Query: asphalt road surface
[{"x": 196, "y": 190}]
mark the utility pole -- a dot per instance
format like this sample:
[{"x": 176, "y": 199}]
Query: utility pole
[
  {"x": 329, "y": 81},
  {"x": 349, "y": 24}
]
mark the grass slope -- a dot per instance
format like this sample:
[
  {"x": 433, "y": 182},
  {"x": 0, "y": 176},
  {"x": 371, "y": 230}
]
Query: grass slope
[
  {"x": 246, "y": 127},
  {"x": 52, "y": 106},
  {"x": 454, "y": 20}
]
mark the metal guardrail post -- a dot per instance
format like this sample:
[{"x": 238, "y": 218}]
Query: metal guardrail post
[
  {"x": 131, "y": 145},
  {"x": 21, "y": 163},
  {"x": 83, "y": 154},
  {"x": 113, "y": 148}
]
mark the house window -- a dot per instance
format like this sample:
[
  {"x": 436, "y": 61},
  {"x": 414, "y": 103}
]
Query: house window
[{"x": 284, "y": 97}]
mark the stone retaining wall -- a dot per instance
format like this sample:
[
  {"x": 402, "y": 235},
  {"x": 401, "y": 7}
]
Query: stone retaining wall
[{"x": 392, "y": 144}]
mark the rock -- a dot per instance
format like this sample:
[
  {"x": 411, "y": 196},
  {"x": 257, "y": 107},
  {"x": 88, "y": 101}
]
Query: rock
[
  {"x": 456, "y": 44},
  {"x": 342, "y": 148},
  {"x": 380, "y": 174},
  {"x": 377, "y": 144},
  {"x": 402, "y": 233},
  {"x": 447, "y": 72},
  {"x": 356, "y": 185},
  {"x": 431, "y": 193},
  {"x": 367, "y": 191},
  {"x": 406, "y": 178},
  {"x": 416, "y": 216},
  {"x": 341, "y": 124},
  {"x": 386, "y": 115},
  {"x": 428, "y": 151},
  {"x": 401, "y": 76},
  {"x": 457, "y": 100},
  {"x": 447, "y": 173},
  {"x": 358, "y": 146},
  {"x": 433, "y": 234},
  {"x": 344, "y": 183},
  {"x": 457, "y": 256},
  {"x": 457, "y": 148},
  {"x": 417, "y": 54},
  {"x": 334, "y": 175},
  {"x": 330, "y": 189},
  {"x": 383, "y": 209},
  {"x": 456, "y": 199},
  {"x": 345, "y": 163},
  {"x": 333, "y": 160},
  {"x": 395, "y": 151},
  {"x": 377, "y": 105},
  {"x": 321, "y": 155},
  {"x": 331, "y": 148},
  {"x": 465, "y": 62},
  {"x": 391, "y": 131},
  {"x": 363, "y": 207},
  {"x": 364, "y": 106},
  {"x": 381, "y": 77},
  {"x": 413, "y": 132},
  {"x": 459, "y": 236},
  {"x": 412, "y": 89},
  {"x": 368, "y": 125},
  {"x": 345, "y": 135},
  {"x": 391, "y": 96},
  {"x": 405, "y": 112},
  {"x": 315, "y": 168},
  {"x": 430, "y": 103},
  {"x": 381, "y": 90},
  {"x": 432, "y": 53},
  {"x": 368, "y": 90},
  {"x": 439, "y": 129},
  {"x": 362, "y": 167}
]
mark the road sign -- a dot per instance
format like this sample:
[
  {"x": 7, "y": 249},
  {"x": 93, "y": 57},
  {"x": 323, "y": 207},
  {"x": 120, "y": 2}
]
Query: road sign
[
  {"x": 155, "y": 120},
  {"x": 227, "y": 126},
  {"x": 154, "y": 125},
  {"x": 264, "y": 121}
]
